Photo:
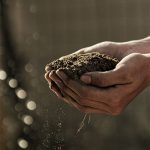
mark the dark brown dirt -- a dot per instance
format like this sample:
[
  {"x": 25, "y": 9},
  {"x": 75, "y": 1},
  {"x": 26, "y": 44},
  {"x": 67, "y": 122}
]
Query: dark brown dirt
[{"x": 77, "y": 64}]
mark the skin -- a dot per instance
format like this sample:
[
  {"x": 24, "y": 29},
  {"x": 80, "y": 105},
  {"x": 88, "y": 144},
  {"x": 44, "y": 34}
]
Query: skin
[{"x": 111, "y": 91}]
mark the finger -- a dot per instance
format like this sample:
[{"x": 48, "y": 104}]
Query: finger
[
  {"x": 73, "y": 98},
  {"x": 85, "y": 101},
  {"x": 104, "y": 79},
  {"x": 96, "y": 105},
  {"x": 68, "y": 91},
  {"x": 54, "y": 77},
  {"x": 128, "y": 92},
  {"x": 69, "y": 83},
  {"x": 50, "y": 82},
  {"x": 66, "y": 100},
  {"x": 66, "y": 80},
  {"x": 60, "y": 84},
  {"x": 86, "y": 91},
  {"x": 63, "y": 87},
  {"x": 47, "y": 76},
  {"x": 85, "y": 109},
  {"x": 48, "y": 68},
  {"x": 57, "y": 91}
]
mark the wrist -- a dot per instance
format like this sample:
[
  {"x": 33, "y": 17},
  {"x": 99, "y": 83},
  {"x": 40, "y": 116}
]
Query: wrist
[
  {"x": 136, "y": 46},
  {"x": 147, "y": 57}
]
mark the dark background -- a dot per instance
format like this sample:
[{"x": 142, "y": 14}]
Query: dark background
[{"x": 35, "y": 32}]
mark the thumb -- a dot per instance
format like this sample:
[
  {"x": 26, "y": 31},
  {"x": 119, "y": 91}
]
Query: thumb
[{"x": 104, "y": 79}]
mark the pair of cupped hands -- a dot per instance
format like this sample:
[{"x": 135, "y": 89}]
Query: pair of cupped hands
[{"x": 106, "y": 92}]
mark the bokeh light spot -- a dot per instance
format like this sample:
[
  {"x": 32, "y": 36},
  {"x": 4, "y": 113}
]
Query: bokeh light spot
[
  {"x": 3, "y": 75},
  {"x": 29, "y": 67},
  {"x": 36, "y": 36},
  {"x": 22, "y": 94},
  {"x": 27, "y": 119},
  {"x": 31, "y": 105},
  {"x": 23, "y": 143},
  {"x": 13, "y": 83},
  {"x": 33, "y": 8}
]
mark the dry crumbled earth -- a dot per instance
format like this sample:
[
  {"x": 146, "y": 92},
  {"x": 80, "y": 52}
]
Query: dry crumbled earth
[{"x": 75, "y": 65}]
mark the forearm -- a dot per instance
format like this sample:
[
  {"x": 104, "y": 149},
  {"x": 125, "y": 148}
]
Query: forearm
[
  {"x": 119, "y": 49},
  {"x": 143, "y": 47}
]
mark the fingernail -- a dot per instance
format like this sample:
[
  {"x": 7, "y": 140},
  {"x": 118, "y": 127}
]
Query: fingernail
[
  {"x": 86, "y": 79},
  {"x": 51, "y": 72},
  {"x": 47, "y": 68},
  {"x": 50, "y": 85},
  {"x": 46, "y": 75},
  {"x": 58, "y": 72}
]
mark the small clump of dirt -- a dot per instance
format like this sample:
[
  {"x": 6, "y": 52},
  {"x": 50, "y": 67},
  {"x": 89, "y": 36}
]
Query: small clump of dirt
[{"x": 75, "y": 65}]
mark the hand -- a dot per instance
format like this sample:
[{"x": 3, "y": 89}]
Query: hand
[
  {"x": 114, "y": 89},
  {"x": 109, "y": 48},
  {"x": 119, "y": 50}
]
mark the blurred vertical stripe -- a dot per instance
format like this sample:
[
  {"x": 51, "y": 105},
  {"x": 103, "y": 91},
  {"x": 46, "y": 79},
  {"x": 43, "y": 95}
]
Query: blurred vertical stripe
[{"x": 2, "y": 109}]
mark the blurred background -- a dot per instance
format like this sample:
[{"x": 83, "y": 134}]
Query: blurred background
[{"x": 35, "y": 32}]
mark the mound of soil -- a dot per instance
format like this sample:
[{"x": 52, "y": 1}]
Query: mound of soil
[{"x": 77, "y": 64}]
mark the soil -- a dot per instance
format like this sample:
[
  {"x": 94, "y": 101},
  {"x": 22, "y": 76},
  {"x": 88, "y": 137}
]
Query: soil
[{"x": 77, "y": 64}]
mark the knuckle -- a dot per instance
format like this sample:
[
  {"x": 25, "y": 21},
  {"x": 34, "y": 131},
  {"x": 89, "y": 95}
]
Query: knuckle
[
  {"x": 100, "y": 82},
  {"x": 93, "y": 78},
  {"x": 107, "y": 44}
]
